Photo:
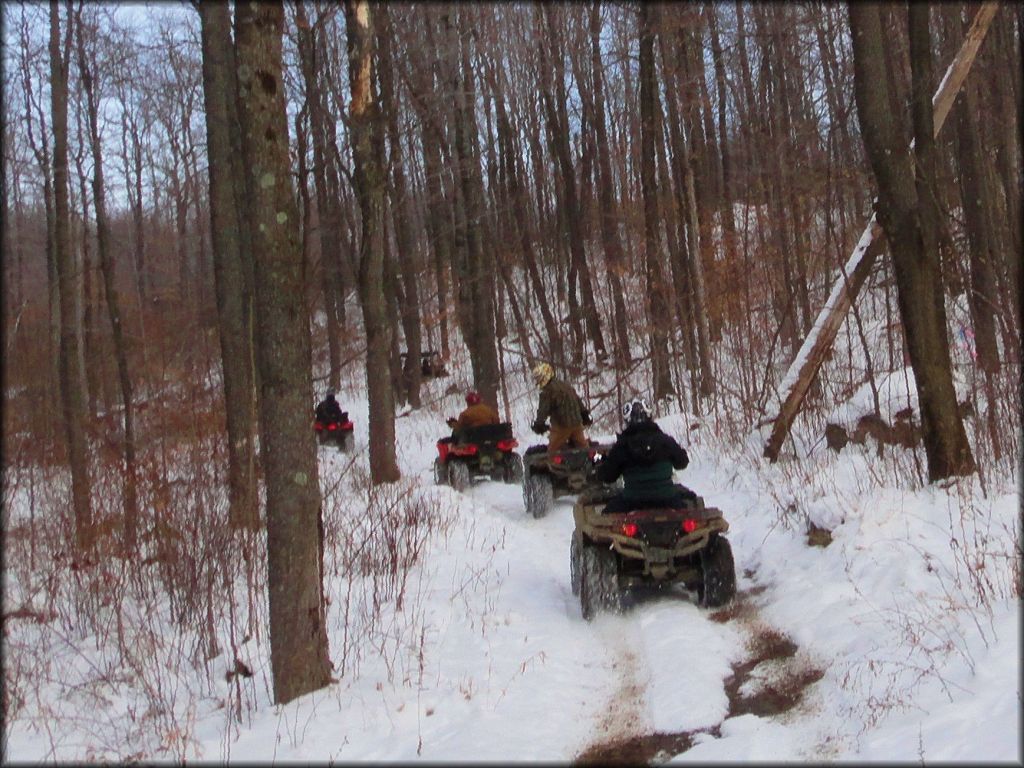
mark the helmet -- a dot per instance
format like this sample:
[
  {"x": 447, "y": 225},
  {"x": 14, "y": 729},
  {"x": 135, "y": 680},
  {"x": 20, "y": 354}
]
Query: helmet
[
  {"x": 472, "y": 398},
  {"x": 330, "y": 392},
  {"x": 636, "y": 410},
  {"x": 542, "y": 374}
]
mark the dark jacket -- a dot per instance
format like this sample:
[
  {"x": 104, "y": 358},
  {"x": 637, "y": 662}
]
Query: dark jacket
[
  {"x": 560, "y": 402},
  {"x": 645, "y": 457},
  {"x": 329, "y": 412}
]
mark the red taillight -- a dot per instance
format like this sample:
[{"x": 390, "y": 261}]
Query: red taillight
[
  {"x": 332, "y": 427},
  {"x": 689, "y": 526},
  {"x": 507, "y": 445},
  {"x": 318, "y": 427},
  {"x": 630, "y": 529},
  {"x": 558, "y": 459},
  {"x": 463, "y": 450},
  {"x": 346, "y": 425}
]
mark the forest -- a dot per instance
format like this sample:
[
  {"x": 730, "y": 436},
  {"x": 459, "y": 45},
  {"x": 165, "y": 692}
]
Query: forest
[{"x": 794, "y": 229}]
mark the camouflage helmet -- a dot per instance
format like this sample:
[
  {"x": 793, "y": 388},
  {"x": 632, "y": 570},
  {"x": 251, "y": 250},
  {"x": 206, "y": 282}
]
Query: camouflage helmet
[
  {"x": 542, "y": 374},
  {"x": 636, "y": 410}
]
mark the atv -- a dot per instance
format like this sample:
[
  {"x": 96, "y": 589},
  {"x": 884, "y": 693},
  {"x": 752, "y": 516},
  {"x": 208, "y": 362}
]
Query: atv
[
  {"x": 653, "y": 547},
  {"x": 339, "y": 433},
  {"x": 568, "y": 471},
  {"x": 478, "y": 451},
  {"x": 431, "y": 364}
]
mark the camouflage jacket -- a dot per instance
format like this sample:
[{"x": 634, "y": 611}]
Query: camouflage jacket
[{"x": 560, "y": 402}]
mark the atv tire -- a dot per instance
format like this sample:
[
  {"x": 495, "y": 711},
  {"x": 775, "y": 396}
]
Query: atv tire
[
  {"x": 513, "y": 471},
  {"x": 575, "y": 564},
  {"x": 348, "y": 442},
  {"x": 458, "y": 475},
  {"x": 599, "y": 582},
  {"x": 718, "y": 584},
  {"x": 440, "y": 473},
  {"x": 537, "y": 494}
]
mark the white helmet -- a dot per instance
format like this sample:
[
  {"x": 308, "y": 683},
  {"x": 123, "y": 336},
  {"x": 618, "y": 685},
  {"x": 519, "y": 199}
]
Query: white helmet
[{"x": 636, "y": 410}]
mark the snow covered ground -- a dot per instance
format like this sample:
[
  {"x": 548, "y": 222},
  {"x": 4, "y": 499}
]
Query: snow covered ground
[{"x": 902, "y": 633}]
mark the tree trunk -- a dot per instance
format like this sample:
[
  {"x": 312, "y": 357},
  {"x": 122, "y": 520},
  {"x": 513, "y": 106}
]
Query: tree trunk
[
  {"x": 298, "y": 635},
  {"x": 131, "y": 512},
  {"x": 657, "y": 287},
  {"x": 906, "y": 213},
  {"x": 71, "y": 384},
  {"x": 219, "y": 87},
  {"x": 401, "y": 215},
  {"x": 368, "y": 176}
]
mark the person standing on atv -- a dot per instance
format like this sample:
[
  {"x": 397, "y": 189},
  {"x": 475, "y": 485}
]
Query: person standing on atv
[
  {"x": 328, "y": 411},
  {"x": 560, "y": 403},
  {"x": 645, "y": 457},
  {"x": 476, "y": 414}
]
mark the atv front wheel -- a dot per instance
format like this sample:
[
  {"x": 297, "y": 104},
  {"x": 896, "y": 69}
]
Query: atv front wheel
[
  {"x": 513, "y": 472},
  {"x": 537, "y": 493},
  {"x": 718, "y": 585},
  {"x": 440, "y": 473},
  {"x": 458, "y": 475},
  {"x": 599, "y": 582},
  {"x": 574, "y": 562}
]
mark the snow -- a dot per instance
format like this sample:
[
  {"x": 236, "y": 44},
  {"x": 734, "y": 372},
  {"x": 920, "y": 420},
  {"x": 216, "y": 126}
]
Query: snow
[{"x": 910, "y": 616}]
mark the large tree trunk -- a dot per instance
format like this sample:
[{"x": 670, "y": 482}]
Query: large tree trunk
[
  {"x": 906, "y": 211},
  {"x": 219, "y": 87},
  {"x": 364, "y": 128},
  {"x": 401, "y": 210},
  {"x": 71, "y": 383},
  {"x": 298, "y": 635},
  {"x": 87, "y": 69},
  {"x": 658, "y": 310}
]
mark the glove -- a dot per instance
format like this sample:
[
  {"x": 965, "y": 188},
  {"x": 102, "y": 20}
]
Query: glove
[
  {"x": 453, "y": 423},
  {"x": 587, "y": 421},
  {"x": 539, "y": 427}
]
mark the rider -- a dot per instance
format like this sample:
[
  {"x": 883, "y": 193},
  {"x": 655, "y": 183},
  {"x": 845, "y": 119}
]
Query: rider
[
  {"x": 328, "y": 411},
  {"x": 645, "y": 457},
  {"x": 476, "y": 414},
  {"x": 560, "y": 402}
]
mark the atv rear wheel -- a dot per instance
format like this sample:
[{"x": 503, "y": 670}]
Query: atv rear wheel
[
  {"x": 513, "y": 471},
  {"x": 440, "y": 472},
  {"x": 718, "y": 585},
  {"x": 537, "y": 493},
  {"x": 574, "y": 562},
  {"x": 599, "y": 582},
  {"x": 458, "y": 475},
  {"x": 348, "y": 442}
]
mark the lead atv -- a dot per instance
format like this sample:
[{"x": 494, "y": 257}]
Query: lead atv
[
  {"x": 339, "y": 433},
  {"x": 568, "y": 471},
  {"x": 478, "y": 451},
  {"x": 613, "y": 553}
]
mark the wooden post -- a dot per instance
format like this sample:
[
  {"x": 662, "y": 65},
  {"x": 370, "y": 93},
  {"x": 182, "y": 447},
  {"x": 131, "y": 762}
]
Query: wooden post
[{"x": 812, "y": 352}]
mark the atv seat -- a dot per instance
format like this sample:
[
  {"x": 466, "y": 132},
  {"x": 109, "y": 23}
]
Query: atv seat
[{"x": 487, "y": 433}]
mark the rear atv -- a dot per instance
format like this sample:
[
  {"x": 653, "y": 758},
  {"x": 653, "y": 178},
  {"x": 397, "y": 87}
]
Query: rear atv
[
  {"x": 568, "y": 471},
  {"x": 338, "y": 433},
  {"x": 611, "y": 554},
  {"x": 476, "y": 452}
]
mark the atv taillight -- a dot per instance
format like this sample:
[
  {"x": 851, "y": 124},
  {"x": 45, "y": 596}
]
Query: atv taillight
[
  {"x": 468, "y": 449},
  {"x": 689, "y": 525},
  {"x": 558, "y": 459},
  {"x": 507, "y": 445},
  {"x": 318, "y": 427},
  {"x": 630, "y": 529},
  {"x": 332, "y": 427}
]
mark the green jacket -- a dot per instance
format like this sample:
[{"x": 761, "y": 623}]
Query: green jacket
[{"x": 560, "y": 402}]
